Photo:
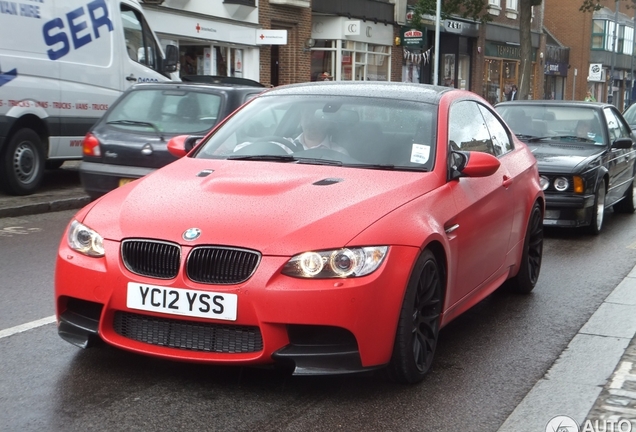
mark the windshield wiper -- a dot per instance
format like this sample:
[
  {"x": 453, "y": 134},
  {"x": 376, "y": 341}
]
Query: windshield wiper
[
  {"x": 568, "y": 137},
  {"x": 137, "y": 123},
  {"x": 389, "y": 167},
  {"x": 524, "y": 136},
  {"x": 269, "y": 158},
  {"x": 316, "y": 161}
]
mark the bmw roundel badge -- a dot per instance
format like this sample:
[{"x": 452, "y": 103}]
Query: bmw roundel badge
[{"x": 191, "y": 234}]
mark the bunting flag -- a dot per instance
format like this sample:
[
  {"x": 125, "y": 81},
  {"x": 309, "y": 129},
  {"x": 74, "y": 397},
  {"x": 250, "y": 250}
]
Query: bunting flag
[{"x": 417, "y": 58}]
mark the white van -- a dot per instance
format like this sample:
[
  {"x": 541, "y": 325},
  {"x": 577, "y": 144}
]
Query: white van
[{"x": 62, "y": 64}]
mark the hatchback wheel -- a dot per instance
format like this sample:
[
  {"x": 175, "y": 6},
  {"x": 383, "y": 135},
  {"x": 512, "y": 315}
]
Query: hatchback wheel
[
  {"x": 598, "y": 210},
  {"x": 418, "y": 325}
]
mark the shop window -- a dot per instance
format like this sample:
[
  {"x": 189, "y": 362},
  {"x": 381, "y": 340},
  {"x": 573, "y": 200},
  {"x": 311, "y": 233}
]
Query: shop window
[
  {"x": 323, "y": 60},
  {"x": 598, "y": 34}
]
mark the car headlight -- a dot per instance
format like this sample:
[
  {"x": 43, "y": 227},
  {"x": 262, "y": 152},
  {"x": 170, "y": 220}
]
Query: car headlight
[
  {"x": 336, "y": 263},
  {"x": 85, "y": 240},
  {"x": 561, "y": 184},
  {"x": 544, "y": 182}
]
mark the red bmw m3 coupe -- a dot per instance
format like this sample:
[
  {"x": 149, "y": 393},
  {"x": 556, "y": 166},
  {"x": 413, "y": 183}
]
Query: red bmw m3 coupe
[{"x": 328, "y": 227}]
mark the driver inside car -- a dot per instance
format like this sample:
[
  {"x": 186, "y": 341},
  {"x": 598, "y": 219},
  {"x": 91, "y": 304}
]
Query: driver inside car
[{"x": 315, "y": 134}]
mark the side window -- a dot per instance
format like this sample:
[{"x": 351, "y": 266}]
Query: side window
[
  {"x": 616, "y": 127},
  {"x": 467, "y": 128},
  {"x": 624, "y": 128},
  {"x": 500, "y": 139},
  {"x": 140, "y": 44}
]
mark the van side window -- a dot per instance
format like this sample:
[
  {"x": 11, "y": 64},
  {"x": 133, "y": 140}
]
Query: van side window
[{"x": 140, "y": 44}]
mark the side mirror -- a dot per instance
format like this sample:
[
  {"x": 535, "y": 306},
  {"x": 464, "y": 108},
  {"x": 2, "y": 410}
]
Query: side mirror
[
  {"x": 473, "y": 164},
  {"x": 172, "y": 59},
  {"x": 622, "y": 143},
  {"x": 181, "y": 145}
]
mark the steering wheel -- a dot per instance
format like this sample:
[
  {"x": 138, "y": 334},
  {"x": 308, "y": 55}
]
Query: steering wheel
[{"x": 280, "y": 141}]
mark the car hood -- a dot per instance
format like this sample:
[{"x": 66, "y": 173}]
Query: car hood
[
  {"x": 564, "y": 158},
  {"x": 275, "y": 208}
]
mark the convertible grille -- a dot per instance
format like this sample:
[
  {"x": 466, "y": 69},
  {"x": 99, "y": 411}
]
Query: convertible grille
[
  {"x": 151, "y": 258},
  {"x": 218, "y": 265},
  {"x": 189, "y": 335}
]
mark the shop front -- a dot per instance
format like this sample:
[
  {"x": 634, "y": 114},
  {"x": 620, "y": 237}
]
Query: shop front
[
  {"x": 501, "y": 71},
  {"x": 350, "y": 50},
  {"x": 208, "y": 46}
]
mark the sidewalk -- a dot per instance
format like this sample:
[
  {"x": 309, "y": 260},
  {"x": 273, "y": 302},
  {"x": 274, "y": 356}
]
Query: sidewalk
[
  {"x": 594, "y": 378},
  {"x": 61, "y": 190}
]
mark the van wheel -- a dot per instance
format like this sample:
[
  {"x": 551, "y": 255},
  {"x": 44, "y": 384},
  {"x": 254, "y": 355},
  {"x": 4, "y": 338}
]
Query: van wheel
[{"x": 22, "y": 164}]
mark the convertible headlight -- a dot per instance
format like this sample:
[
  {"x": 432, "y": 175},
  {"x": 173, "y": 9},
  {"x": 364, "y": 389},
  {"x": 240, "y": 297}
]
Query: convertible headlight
[
  {"x": 85, "y": 240},
  {"x": 561, "y": 184},
  {"x": 336, "y": 263}
]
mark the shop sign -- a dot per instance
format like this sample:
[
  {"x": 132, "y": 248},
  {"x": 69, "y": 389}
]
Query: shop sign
[
  {"x": 555, "y": 69},
  {"x": 271, "y": 37},
  {"x": 352, "y": 28},
  {"x": 505, "y": 51},
  {"x": 453, "y": 26},
  {"x": 413, "y": 38},
  {"x": 596, "y": 72}
]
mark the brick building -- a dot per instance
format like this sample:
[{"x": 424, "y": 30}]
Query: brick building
[{"x": 590, "y": 37}]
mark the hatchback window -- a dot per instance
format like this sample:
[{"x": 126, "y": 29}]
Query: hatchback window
[{"x": 169, "y": 111}]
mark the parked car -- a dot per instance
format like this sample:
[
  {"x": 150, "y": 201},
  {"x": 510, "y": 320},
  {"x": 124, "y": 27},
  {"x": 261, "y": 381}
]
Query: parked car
[
  {"x": 218, "y": 79},
  {"x": 630, "y": 116},
  {"x": 259, "y": 248},
  {"x": 586, "y": 156},
  {"x": 131, "y": 139}
]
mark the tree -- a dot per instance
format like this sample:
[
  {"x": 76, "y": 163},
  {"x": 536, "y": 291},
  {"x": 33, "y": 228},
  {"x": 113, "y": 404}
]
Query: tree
[{"x": 478, "y": 10}]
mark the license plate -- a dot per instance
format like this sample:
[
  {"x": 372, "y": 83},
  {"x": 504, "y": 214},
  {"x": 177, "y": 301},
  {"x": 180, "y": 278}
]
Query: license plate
[
  {"x": 124, "y": 181},
  {"x": 180, "y": 301}
]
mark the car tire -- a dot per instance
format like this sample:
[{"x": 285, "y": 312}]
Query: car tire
[
  {"x": 22, "y": 163},
  {"x": 598, "y": 210},
  {"x": 530, "y": 266},
  {"x": 418, "y": 324},
  {"x": 627, "y": 205}
]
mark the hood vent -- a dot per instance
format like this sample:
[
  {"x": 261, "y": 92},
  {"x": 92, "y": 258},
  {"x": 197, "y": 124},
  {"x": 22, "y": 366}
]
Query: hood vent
[
  {"x": 205, "y": 173},
  {"x": 328, "y": 181}
]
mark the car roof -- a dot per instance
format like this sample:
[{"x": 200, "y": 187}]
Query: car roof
[
  {"x": 195, "y": 85},
  {"x": 217, "y": 79},
  {"x": 382, "y": 89},
  {"x": 580, "y": 104}
]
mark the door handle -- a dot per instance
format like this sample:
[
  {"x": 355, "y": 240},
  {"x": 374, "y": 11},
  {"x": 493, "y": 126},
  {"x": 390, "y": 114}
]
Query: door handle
[
  {"x": 507, "y": 181},
  {"x": 131, "y": 77}
]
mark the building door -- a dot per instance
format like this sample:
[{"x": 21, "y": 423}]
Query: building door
[{"x": 275, "y": 64}]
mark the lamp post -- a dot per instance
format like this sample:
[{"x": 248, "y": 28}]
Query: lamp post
[
  {"x": 437, "y": 24},
  {"x": 631, "y": 87},
  {"x": 610, "y": 92}
]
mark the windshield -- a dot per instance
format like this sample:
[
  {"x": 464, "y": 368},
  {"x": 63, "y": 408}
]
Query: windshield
[
  {"x": 368, "y": 132},
  {"x": 554, "y": 123},
  {"x": 174, "y": 111}
]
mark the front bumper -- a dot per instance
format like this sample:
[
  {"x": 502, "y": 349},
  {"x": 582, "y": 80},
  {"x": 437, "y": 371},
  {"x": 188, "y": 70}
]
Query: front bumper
[
  {"x": 98, "y": 179},
  {"x": 568, "y": 210},
  {"x": 316, "y": 326}
]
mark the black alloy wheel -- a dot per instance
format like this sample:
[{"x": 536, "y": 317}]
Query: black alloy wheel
[
  {"x": 418, "y": 324},
  {"x": 530, "y": 266}
]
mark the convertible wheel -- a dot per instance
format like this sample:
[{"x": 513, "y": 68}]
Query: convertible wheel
[
  {"x": 627, "y": 205},
  {"x": 598, "y": 210},
  {"x": 418, "y": 325},
  {"x": 530, "y": 267}
]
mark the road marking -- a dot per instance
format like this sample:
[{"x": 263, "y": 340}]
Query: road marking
[{"x": 28, "y": 326}]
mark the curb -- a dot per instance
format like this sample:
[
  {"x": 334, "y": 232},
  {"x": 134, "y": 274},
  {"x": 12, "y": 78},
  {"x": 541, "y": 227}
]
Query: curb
[{"x": 45, "y": 207}]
